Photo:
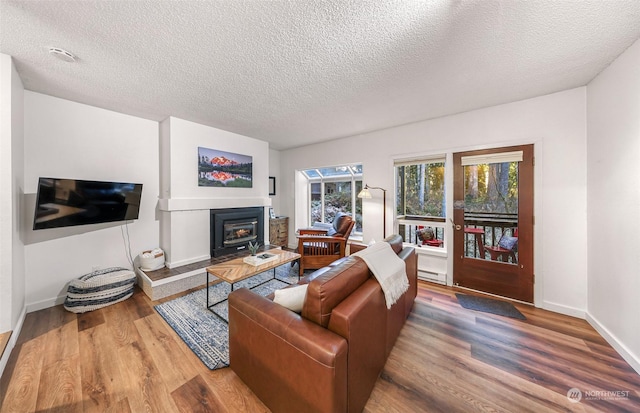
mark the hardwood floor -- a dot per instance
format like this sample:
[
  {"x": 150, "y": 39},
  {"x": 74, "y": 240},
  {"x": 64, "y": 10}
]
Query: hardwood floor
[
  {"x": 4, "y": 339},
  {"x": 125, "y": 358}
]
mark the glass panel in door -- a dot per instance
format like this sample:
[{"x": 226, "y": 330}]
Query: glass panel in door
[{"x": 491, "y": 211}]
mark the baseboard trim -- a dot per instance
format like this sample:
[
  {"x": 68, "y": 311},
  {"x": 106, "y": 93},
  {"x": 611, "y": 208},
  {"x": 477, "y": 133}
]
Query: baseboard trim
[
  {"x": 563, "y": 309},
  {"x": 500, "y": 297},
  {"x": 49, "y": 302},
  {"x": 172, "y": 264},
  {"x": 12, "y": 341},
  {"x": 625, "y": 353}
]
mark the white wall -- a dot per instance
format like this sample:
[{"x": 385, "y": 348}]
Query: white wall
[
  {"x": 185, "y": 138},
  {"x": 71, "y": 140},
  {"x": 556, "y": 124},
  {"x": 12, "y": 267},
  {"x": 17, "y": 189},
  {"x": 184, "y": 205},
  {"x": 6, "y": 195},
  {"x": 274, "y": 170},
  {"x": 613, "y": 114},
  {"x": 12, "y": 282}
]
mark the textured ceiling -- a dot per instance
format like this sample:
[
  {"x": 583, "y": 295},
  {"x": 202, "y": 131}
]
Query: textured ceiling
[{"x": 298, "y": 72}]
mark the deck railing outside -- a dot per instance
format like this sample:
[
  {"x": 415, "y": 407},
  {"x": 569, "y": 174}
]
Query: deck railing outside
[
  {"x": 493, "y": 225},
  {"x": 409, "y": 226}
]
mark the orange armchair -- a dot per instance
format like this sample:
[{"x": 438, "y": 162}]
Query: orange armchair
[{"x": 317, "y": 249}]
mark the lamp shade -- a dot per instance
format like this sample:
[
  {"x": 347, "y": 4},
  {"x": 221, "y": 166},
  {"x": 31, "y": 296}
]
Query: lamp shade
[{"x": 365, "y": 193}]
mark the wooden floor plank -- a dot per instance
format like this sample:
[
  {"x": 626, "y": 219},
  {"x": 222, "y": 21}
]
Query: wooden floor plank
[
  {"x": 441, "y": 370},
  {"x": 447, "y": 367},
  {"x": 173, "y": 361},
  {"x": 120, "y": 323},
  {"x": 195, "y": 396},
  {"x": 233, "y": 393},
  {"x": 4, "y": 340},
  {"x": 139, "y": 306},
  {"x": 147, "y": 392},
  {"x": 103, "y": 386},
  {"x": 566, "y": 355},
  {"x": 60, "y": 389},
  {"x": 122, "y": 406},
  {"x": 90, "y": 319},
  {"x": 36, "y": 324},
  {"x": 22, "y": 390},
  {"x": 125, "y": 358},
  {"x": 61, "y": 337}
]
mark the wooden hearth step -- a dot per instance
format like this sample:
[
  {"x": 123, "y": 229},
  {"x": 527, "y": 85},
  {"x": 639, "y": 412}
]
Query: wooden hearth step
[{"x": 169, "y": 281}]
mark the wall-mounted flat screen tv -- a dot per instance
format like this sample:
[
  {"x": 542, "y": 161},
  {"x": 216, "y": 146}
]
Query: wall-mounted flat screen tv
[{"x": 69, "y": 202}]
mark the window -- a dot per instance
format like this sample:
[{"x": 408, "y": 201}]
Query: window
[
  {"x": 491, "y": 182},
  {"x": 333, "y": 190},
  {"x": 420, "y": 201},
  {"x": 420, "y": 189}
]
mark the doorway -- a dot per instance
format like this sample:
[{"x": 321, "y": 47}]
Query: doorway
[{"x": 493, "y": 221}]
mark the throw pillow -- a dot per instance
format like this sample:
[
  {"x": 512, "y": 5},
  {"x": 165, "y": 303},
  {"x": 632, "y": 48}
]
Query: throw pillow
[
  {"x": 292, "y": 297},
  {"x": 508, "y": 242},
  {"x": 425, "y": 234},
  {"x": 336, "y": 220}
]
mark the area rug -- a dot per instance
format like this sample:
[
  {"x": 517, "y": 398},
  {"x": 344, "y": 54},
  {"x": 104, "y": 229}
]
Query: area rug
[
  {"x": 204, "y": 332},
  {"x": 489, "y": 305}
]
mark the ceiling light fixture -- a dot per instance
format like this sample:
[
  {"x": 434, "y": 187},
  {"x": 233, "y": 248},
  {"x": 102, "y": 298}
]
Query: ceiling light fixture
[{"x": 62, "y": 54}]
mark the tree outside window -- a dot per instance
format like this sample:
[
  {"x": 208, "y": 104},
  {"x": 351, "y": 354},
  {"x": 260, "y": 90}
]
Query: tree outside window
[
  {"x": 420, "y": 190},
  {"x": 491, "y": 188}
]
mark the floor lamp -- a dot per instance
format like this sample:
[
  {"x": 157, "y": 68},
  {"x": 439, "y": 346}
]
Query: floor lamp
[{"x": 365, "y": 193}]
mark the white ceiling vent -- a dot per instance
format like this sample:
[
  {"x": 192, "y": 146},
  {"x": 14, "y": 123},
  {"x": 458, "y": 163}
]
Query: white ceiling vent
[{"x": 62, "y": 54}]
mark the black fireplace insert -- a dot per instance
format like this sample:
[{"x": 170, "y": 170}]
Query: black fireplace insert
[{"x": 233, "y": 228}]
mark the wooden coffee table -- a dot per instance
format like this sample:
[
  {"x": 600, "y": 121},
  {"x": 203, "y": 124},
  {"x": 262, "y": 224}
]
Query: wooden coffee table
[{"x": 237, "y": 270}]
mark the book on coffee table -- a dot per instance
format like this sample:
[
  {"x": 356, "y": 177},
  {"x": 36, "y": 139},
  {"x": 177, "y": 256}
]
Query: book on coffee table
[{"x": 260, "y": 259}]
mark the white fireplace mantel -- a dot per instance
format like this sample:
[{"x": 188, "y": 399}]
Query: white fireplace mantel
[
  {"x": 184, "y": 225},
  {"x": 191, "y": 204}
]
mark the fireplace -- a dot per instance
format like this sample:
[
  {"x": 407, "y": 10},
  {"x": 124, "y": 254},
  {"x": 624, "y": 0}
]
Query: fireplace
[{"x": 232, "y": 229}]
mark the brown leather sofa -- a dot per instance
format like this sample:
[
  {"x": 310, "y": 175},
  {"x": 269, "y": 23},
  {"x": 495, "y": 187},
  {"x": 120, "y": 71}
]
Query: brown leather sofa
[{"x": 328, "y": 358}]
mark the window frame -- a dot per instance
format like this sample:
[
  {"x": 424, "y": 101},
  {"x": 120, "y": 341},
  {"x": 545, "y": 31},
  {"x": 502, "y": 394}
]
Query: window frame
[
  {"x": 350, "y": 176},
  {"x": 418, "y": 161},
  {"x": 437, "y": 222}
]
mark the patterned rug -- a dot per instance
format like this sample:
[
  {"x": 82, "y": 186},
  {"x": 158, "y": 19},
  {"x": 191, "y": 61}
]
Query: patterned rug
[{"x": 204, "y": 332}]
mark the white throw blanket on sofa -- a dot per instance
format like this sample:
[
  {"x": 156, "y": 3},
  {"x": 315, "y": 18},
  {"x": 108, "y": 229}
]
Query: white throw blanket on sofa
[{"x": 388, "y": 268}]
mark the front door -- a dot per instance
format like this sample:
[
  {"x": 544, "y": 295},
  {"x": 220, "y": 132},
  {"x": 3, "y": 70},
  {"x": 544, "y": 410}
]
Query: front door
[{"x": 493, "y": 221}]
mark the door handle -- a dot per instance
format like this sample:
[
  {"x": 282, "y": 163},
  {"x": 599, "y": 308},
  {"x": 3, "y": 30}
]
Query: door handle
[
  {"x": 458, "y": 227},
  {"x": 454, "y": 226}
]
